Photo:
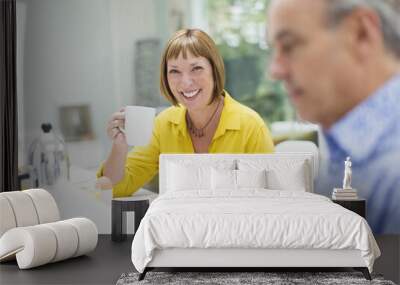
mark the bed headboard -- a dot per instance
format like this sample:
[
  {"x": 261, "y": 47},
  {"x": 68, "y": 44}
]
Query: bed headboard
[{"x": 214, "y": 159}]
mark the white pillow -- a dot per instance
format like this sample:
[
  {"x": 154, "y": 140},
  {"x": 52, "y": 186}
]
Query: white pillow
[
  {"x": 281, "y": 174},
  {"x": 294, "y": 180},
  {"x": 251, "y": 178},
  {"x": 228, "y": 179},
  {"x": 182, "y": 177},
  {"x": 193, "y": 174},
  {"x": 223, "y": 179}
]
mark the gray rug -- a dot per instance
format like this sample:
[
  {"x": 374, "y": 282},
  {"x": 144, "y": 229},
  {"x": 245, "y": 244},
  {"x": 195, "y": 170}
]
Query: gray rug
[{"x": 270, "y": 278}]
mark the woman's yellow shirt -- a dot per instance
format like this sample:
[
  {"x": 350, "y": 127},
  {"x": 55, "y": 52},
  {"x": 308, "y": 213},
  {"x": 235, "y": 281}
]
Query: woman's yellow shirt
[{"x": 240, "y": 130}]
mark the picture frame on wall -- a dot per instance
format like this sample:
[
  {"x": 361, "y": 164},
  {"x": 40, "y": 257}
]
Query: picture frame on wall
[{"x": 76, "y": 123}]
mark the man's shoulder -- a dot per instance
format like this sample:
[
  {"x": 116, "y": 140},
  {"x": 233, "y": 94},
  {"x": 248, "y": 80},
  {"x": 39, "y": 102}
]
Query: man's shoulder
[
  {"x": 388, "y": 143},
  {"x": 386, "y": 156}
]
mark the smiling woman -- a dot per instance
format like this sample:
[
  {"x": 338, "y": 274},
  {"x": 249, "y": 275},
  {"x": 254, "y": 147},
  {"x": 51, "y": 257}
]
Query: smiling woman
[
  {"x": 188, "y": 69},
  {"x": 204, "y": 118}
]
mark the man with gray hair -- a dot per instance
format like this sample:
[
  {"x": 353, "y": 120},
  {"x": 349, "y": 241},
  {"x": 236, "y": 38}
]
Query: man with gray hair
[{"x": 340, "y": 63}]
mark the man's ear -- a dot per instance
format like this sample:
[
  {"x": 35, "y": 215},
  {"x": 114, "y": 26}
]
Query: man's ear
[{"x": 363, "y": 32}]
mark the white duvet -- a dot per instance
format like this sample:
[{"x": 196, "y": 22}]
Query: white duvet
[{"x": 252, "y": 218}]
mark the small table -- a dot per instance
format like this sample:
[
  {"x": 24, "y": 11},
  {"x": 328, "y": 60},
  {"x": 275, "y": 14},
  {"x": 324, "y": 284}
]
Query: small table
[
  {"x": 139, "y": 203},
  {"x": 357, "y": 206}
]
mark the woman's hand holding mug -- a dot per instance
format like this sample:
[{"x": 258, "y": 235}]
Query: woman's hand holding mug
[
  {"x": 115, "y": 129},
  {"x": 131, "y": 126}
]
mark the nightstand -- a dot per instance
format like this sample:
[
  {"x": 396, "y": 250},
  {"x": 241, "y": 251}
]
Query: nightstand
[
  {"x": 139, "y": 203},
  {"x": 358, "y": 206}
]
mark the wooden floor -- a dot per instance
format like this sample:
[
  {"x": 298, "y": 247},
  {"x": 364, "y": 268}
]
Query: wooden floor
[{"x": 102, "y": 266}]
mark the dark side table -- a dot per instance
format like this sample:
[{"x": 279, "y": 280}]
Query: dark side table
[
  {"x": 139, "y": 203},
  {"x": 358, "y": 206}
]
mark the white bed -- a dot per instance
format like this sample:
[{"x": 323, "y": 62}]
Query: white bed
[{"x": 220, "y": 211}]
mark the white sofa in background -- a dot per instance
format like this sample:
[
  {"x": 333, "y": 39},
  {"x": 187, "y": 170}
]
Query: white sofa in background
[
  {"x": 301, "y": 146},
  {"x": 31, "y": 231}
]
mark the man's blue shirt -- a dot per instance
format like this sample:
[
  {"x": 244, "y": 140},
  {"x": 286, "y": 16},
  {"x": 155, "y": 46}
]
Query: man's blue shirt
[{"x": 370, "y": 135}]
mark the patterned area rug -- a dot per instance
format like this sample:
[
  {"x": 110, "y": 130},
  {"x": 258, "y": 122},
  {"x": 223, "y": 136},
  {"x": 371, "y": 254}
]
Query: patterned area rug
[{"x": 269, "y": 278}]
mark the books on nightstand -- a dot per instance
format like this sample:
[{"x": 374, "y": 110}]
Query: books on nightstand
[{"x": 344, "y": 194}]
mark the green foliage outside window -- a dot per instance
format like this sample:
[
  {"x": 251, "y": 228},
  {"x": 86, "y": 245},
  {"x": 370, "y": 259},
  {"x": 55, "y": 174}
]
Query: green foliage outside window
[{"x": 238, "y": 28}]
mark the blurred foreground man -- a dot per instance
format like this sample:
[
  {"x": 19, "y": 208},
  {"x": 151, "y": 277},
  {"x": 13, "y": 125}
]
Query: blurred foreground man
[{"x": 340, "y": 63}]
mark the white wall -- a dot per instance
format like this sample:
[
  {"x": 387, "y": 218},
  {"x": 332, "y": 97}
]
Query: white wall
[
  {"x": 199, "y": 16},
  {"x": 67, "y": 59},
  {"x": 130, "y": 21},
  {"x": 78, "y": 52}
]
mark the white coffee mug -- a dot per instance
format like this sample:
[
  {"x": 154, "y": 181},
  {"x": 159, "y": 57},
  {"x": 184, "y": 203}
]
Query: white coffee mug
[{"x": 138, "y": 125}]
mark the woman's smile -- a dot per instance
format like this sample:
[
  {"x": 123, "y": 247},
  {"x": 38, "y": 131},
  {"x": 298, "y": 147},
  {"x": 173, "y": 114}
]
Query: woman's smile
[{"x": 191, "y": 95}]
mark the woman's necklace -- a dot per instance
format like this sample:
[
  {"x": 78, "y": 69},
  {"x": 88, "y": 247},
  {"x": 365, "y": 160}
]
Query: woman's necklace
[{"x": 200, "y": 132}]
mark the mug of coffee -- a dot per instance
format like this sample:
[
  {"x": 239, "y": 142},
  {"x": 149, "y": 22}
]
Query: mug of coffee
[{"x": 138, "y": 125}]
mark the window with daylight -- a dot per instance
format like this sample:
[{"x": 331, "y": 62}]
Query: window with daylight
[{"x": 239, "y": 29}]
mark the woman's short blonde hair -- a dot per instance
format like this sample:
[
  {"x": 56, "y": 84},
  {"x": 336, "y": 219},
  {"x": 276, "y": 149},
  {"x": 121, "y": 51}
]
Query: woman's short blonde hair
[{"x": 198, "y": 43}]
